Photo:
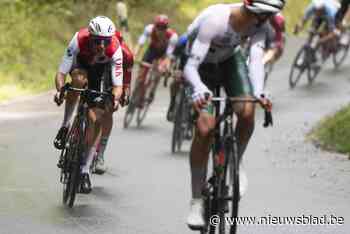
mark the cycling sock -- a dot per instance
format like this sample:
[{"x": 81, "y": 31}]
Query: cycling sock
[
  {"x": 103, "y": 145},
  {"x": 68, "y": 112},
  {"x": 199, "y": 175},
  {"x": 90, "y": 156}
]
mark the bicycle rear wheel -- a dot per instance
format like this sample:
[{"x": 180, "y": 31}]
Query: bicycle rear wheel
[{"x": 299, "y": 66}]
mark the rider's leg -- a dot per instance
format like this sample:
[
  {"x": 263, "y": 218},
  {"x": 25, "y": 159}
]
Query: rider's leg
[
  {"x": 199, "y": 155},
  {"x": 245, "y": 125},
  {"x": 147, "y": 59},
  {"x": 238, "y": 84},
  {"x": 79, "y": 80},
  {"x": 107, "y": 124},
  {"x": 93, "y": 130}
]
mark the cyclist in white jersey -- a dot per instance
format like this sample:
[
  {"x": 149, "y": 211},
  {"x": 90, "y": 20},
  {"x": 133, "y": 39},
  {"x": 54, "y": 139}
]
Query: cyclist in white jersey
[{"x": 215, "y": 59}]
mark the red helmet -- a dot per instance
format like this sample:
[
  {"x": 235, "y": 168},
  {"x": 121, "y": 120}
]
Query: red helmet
[{"x": 161, "y": 21}]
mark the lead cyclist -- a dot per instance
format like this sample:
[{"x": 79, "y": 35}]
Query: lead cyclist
[
  {"x": 90, "y": 52},
  {"x": 215, "y": 59}
]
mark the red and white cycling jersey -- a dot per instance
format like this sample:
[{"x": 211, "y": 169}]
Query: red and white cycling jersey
[
  {"x": 167, "y": 43},
  {"x": 79, "y": 49},
  {"x": 128, "y": 60},
  {"x": 278, "y": 24}
]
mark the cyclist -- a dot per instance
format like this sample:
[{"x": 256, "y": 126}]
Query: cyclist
[
  {"x": 89, "y": 53},
  {"x": 179, "y": 53},
  {"x": 128, "y": 62},
  {"x": 276, "y": 45},
  {"x": 162, "y": 43},
  {"x": 323, "y": 10},
  {"x": 122, "y": 13},
  {"x": 342, "y": 10},
  {"x": 215, "y": 59}
]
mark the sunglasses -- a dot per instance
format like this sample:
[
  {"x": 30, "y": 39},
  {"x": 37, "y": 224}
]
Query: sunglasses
[
  {"x": 161, "y": 27},
  {"x": 101, "y": 40},
  {"x": 264, "y": 17}
]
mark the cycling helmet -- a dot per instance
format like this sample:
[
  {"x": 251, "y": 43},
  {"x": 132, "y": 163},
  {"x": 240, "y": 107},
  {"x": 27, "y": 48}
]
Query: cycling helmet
[
  {"x": 318, "y": 4},
  {"x": 101, "y": 26},
  {"x": 161, "y": 21},
  {"x": 264, "y": 6}
]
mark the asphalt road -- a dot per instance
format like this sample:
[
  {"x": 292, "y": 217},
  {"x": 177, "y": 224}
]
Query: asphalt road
[{"x": 147, "y": 190}]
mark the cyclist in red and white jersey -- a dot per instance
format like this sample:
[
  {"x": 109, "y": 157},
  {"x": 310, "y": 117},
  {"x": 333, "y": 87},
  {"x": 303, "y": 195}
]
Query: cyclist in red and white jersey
[
  {"x": 162, "y": 44},
  {"x": 276, "y": 45},
  {"x": 90, "y": 52}
]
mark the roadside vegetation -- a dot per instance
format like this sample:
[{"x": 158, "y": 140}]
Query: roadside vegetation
[
  {"x": 333, "y": 133},
  {"x": 34, "y": 33}
]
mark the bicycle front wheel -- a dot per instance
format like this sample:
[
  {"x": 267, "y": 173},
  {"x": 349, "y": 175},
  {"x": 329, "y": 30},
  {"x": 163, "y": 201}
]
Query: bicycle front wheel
[
  {"x": 149, "y": 97},
  {"x": 76, "y": 162},
  {"x": 233, "y": 182},
  {"x": 130, "y": 111},
  {"x": 299, "y": 66},
  {"x": 178, "y": 134},
  {"x": 340, "y": 55}
]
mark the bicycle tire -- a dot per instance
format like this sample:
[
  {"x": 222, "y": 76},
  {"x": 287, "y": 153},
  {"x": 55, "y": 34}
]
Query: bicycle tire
[
  {"x": 178, "y": 123},
  {"x": 66, "y": 174},
  {"x": 149, "y": 97},
  {"x": 76, "y": 163},
  {"x": 67, "y": 169},
  {"x": 337, "y": 62},
  {"x": 130, "y": 111},
  {"x": 232, "y": 154},
  {"x": 293, "y": 80}
]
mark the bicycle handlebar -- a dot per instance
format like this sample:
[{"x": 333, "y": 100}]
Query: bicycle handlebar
[{"x": 268, "y": 119}]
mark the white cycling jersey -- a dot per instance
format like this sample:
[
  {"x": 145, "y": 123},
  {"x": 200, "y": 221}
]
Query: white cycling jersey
[{"x": 215, "y": 41}]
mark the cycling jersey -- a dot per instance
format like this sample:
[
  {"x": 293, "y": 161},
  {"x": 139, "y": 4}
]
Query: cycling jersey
[
  {"x": 278, "y": 24},
  {"x": 167, "y": 43},
  {"x": 330, "y": 11},
  {"x": 128, "y": 60},
  {"x": 79, "y": 50},
  {"x": 215, "y": 42}
]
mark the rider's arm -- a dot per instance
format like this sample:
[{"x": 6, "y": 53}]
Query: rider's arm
[
  {"x": 143, "y": 38},
  {"x": 117, "y": 73},
  {"x": 172, "y": 44},
  {"x": 256, "y": 66},
  {"x": 310, "y": 10},
  {"x": 67, "y": 62},
  {"x": 197, "y": 55},
  {"x": 343, "y": 9}
]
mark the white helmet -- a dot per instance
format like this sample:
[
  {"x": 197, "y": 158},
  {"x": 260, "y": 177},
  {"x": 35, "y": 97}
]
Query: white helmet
[
  {"x": 318, "y": 4},
  {"x": 101, "y": 26},
  {"x": 264, "y": 6}
]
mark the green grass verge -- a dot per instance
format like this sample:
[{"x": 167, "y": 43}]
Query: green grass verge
[
  {"x": 333, "y": 133},
  {"x": 34, "y": 33}
]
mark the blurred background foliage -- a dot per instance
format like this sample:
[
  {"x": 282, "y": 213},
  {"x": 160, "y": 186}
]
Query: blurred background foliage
[{"x": 34, "y": 33}]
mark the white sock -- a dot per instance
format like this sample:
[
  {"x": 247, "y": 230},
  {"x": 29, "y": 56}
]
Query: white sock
[
  {"x": 103, "y": 144},
  {"x": 90, "y": 157}
]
